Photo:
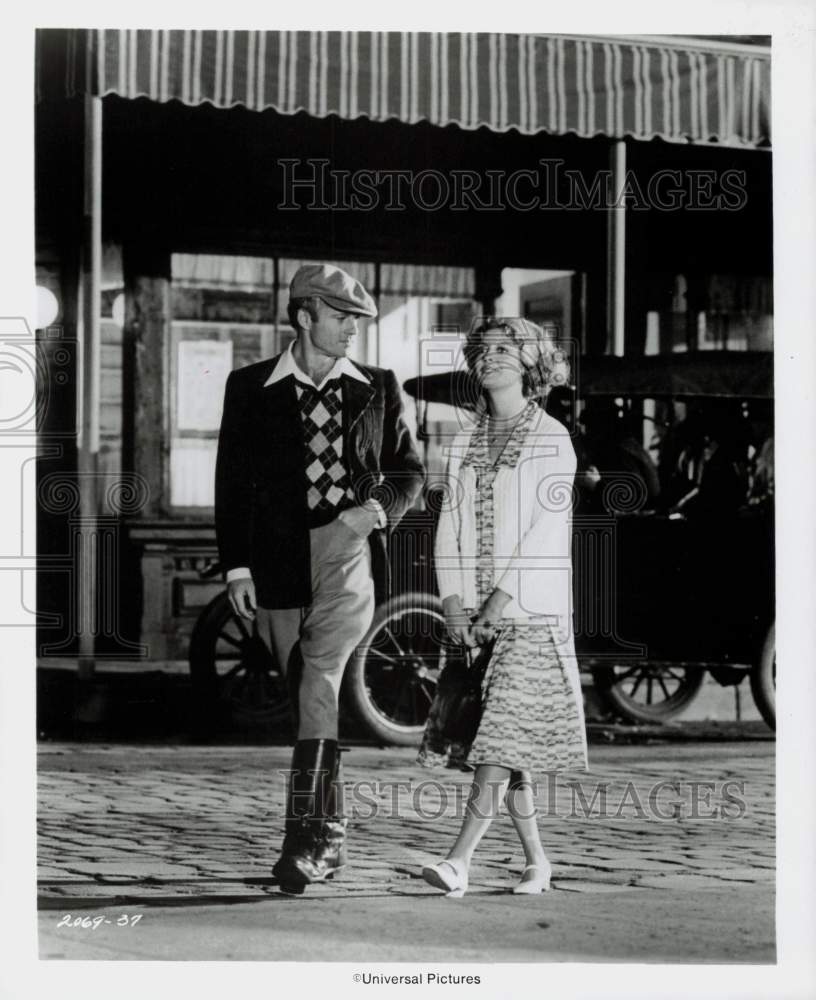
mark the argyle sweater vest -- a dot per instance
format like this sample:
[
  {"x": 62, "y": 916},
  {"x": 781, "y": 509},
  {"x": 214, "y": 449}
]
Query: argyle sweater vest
[{"x": 328, "y": 488}]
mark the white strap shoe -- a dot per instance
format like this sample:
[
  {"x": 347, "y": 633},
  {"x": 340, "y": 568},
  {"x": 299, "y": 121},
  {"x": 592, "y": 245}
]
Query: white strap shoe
[
  {"x": 448, "y": 876},
  {"x": 533, "y": 886}
]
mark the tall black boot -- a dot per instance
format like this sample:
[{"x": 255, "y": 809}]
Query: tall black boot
[
  {"x": 330, "y": 853},
  {"x": 308, "y": 798}
]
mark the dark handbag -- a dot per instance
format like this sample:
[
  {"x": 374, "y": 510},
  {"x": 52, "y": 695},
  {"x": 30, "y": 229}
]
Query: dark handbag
[{"x": 458, "y": 703}]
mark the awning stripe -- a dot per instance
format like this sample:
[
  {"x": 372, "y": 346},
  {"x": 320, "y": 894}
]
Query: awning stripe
[
  {"x": 532, "y": 83},
  {"x": 704, "y": 69},
  {"x": 187, "y": 83},
  {"x": 443, "y": 71},
  {"x": 647, "y": 59},
  {"x": 521, "y": 63},
  {"x": 414, "y": 66},
  {"x": 249, "y": 78},
  {"x": 592, "y": 127},
  {"x": 475, "y": 99},
  {"x": 637, "y": 85},
  {"x": 675, "y": 93}
]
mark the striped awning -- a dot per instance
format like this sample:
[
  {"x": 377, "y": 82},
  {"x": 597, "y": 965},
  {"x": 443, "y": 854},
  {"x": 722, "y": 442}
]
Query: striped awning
[{"x": 677, "y": 90}]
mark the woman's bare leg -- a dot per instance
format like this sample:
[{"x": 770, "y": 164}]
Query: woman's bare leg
[
  {"x": 486, "y": 796},
  {"x": 522, "y": 809}
]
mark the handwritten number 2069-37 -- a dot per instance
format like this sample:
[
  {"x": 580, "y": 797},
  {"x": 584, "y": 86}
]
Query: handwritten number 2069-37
[{"x": 125, "y": 920}]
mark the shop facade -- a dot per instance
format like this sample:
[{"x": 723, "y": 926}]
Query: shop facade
[{"x": 619, "y": 190}]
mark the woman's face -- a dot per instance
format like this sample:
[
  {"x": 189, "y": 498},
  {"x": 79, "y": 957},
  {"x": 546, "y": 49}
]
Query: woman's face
[{"x": 498, "y": 365}]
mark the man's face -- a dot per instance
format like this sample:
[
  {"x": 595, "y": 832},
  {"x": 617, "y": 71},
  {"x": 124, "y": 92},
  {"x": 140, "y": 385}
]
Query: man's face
[{"x": 331, "y": 333}]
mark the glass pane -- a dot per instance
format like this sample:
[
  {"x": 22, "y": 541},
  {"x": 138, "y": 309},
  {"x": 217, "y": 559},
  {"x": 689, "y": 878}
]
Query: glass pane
[{"x": 192, "y": 473}]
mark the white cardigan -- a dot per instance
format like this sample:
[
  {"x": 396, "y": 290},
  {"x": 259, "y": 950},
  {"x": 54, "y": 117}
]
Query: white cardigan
[{"x": 532, "y": 528}]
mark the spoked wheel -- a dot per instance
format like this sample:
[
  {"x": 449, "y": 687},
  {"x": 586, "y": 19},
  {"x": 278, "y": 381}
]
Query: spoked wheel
[
  {"x": 645, "y": 692},
  {"x": 763, "y": 679},
  {"x": 236, "y": 680},
  {"x": 391, "y": 679}
]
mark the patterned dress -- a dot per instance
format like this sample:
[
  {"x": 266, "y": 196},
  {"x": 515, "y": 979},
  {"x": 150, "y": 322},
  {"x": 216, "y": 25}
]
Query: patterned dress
[{"x": 530, "y": 720}]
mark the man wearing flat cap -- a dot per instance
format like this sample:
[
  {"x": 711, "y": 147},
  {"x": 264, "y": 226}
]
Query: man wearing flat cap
[{"x": 315, "y": 465}]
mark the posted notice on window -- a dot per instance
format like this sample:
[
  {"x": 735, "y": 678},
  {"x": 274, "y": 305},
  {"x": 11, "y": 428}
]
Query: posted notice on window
[{"x": 203, "y": 367}]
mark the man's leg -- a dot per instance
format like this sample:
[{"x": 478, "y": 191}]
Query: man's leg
[
  {"x": 279, "y": 628},
  {"x": 328, "y": 631},
  {"x": 339, "y": 617}
]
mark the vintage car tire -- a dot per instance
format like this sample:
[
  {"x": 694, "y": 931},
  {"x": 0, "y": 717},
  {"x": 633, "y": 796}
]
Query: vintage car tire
[
  {"x": 390, "y": 681},
  {"x": 763, "y": 679},
  {"x": 251, "y": 694},
  {"x": 609, "y": 687}
]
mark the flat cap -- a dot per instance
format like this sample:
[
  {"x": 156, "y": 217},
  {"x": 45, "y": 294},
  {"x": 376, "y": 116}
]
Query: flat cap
[{"x": 334, "y": 286}]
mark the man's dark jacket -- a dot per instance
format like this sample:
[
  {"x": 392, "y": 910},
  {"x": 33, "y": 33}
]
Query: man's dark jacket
[{"x": 260, "y": 479}]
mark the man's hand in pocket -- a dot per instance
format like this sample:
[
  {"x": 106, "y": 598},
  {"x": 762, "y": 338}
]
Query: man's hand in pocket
[
  {"x": 361, "y": 520},
  {"x": 241, "y": 595}
]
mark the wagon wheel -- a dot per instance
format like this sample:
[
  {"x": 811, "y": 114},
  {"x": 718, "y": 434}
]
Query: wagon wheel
[
  {"x": 644, "y": 692},
  {"x": 236, "y": 680},
  {"x": 391, "y": 679},
  {"x": 763, "y": 679}
]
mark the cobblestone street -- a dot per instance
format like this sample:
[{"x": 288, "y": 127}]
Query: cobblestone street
[
  {"x": 186, "y": 837},
  {"x": 659, "y": 853}
]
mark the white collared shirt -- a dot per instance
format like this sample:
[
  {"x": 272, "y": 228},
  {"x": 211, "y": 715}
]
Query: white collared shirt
[
  {"x": 285, "y": 367},
  {"x": 288, "y": 366}
]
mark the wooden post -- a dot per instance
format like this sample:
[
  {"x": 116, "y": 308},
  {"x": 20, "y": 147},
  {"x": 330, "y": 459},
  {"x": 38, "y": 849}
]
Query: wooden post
[
  {"x": 88, "y": 395},
  {"x": 616, "y": 252},
  {"x": 146, "y": 341}
]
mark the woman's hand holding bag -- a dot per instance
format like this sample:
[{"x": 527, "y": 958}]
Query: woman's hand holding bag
[
  {"x": 484, "y": 625},
  {"x": 457, "y": 622}
]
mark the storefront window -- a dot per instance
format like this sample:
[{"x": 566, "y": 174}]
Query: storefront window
[
  {"x": 223, "y": 318},
  {"x": 719, "y": 313},
  {"x": 231, "y": 311},
  {"x": 738, "y": 314}
]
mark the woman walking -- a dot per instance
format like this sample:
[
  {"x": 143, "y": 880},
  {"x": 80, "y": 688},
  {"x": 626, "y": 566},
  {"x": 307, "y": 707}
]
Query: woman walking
[{"x": 503, "y": 563}]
